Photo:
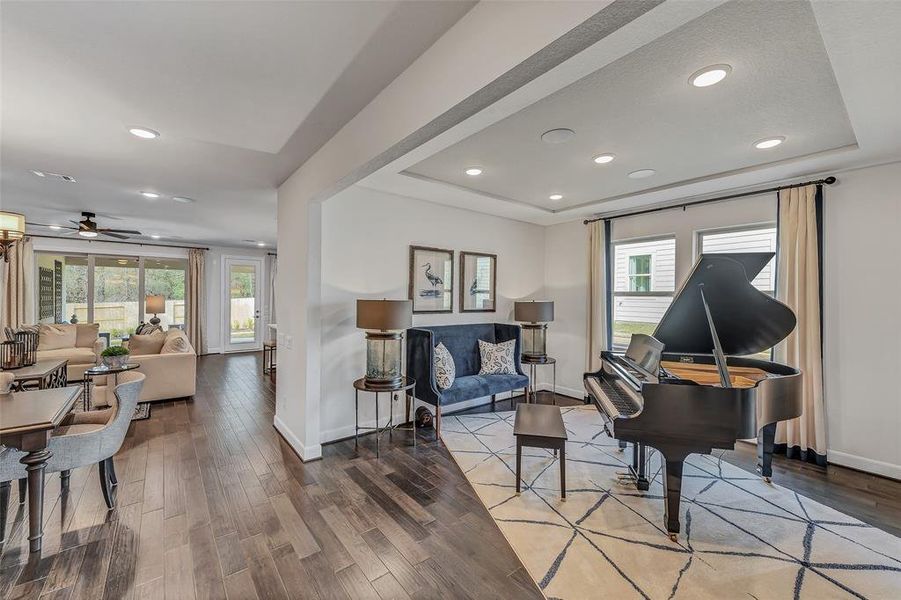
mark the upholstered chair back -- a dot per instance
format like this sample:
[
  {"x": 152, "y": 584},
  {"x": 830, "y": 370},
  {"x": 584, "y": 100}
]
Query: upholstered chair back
[{"x": 127, "y": 394}]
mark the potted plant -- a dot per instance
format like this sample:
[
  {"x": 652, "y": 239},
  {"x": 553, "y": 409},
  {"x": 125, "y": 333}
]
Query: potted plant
[{"x": 115, "y": 357}]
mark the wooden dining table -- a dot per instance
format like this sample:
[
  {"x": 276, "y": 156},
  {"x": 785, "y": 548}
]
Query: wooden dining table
[{"x": 27, "y": 420}]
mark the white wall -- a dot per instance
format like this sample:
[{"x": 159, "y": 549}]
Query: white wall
[
  {"x": 366, "y": 237},
  {"x": 212, "y": 268},
  {"x": 565, "y": 278},
  {"x": 862, "y": 337}
]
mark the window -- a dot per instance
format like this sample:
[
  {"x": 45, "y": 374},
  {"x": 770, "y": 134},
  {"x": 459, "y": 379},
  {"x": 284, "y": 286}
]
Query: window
[
  {"x": 640, "y": 273},
  {"x": 757, "y": 238},
  {"x": 644, "y": 281},
  {"x": 167, "y": 277},
  {"x": 109, "y": 290}
]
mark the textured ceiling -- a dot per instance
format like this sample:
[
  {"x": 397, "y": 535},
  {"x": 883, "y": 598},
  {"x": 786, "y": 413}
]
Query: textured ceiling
[
  {"x": 642, "y": 109},
  {"x": 242, "y": 92}
]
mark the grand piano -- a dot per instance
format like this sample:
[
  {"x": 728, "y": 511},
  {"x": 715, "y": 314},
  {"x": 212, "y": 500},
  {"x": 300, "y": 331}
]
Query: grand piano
[{"x": 692, "y": 386}]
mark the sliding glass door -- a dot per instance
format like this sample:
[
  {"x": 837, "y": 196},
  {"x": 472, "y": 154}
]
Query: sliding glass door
[{"x": 109, "y": 290}]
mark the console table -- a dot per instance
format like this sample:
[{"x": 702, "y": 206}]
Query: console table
[{"x": 361, "y": 385}]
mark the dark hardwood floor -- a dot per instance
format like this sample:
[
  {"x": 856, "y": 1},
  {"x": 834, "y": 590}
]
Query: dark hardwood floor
[{"x": 212, "y": 503}]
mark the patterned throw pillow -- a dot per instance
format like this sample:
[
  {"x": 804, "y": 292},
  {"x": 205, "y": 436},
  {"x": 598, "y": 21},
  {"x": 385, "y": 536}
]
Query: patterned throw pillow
[
  {"x": 497, "y": 359},
  {"x": 445, "y": 370}
]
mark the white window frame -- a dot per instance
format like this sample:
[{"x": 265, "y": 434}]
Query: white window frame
[{"x": 699, "y": 238}]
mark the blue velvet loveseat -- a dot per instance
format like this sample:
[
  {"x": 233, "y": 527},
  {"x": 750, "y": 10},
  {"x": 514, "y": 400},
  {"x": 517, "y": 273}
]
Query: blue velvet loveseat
[{"x": 462, "y": 341}]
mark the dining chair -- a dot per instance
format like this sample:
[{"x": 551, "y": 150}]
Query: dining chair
[{"x": 83, "y": 438}]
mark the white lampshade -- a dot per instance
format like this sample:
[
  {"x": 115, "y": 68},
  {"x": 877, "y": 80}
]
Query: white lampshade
[
  {"x": 12, "y": 225},
  {"x": 156, "y": 304}
]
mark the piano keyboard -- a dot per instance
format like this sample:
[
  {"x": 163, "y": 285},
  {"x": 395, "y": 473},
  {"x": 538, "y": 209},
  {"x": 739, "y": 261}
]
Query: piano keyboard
[{"x": 623, "y": 405}]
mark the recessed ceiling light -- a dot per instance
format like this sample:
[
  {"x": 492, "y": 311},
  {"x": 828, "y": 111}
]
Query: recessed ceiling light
[
  {"x": 603, "y": 159},
  {"x": 183, "y": 199},
  {"x": 155, "y": 236},
  {"x": 261, "y": 244},
  {"x": 709, "y": 75},
  {"x": 557, "y": 136},
  {"x": 88, "y": 234},
  {"x": 555, "y": 197},
  {"x": 151, "y": 195},
  {"x": 474, "y": 171},
  {"x": 144, "y": 133},
  {"x": 641, "y": 173},
  {"x": 769, "y": 142},
  {"x": 39, "y": 173}
]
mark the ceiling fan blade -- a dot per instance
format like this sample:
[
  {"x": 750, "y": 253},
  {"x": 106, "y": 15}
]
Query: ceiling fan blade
[
  {"x": 113, "y": 235},
  {"x": 131, "y": 231},
  {"x": 55, "y": 226}
]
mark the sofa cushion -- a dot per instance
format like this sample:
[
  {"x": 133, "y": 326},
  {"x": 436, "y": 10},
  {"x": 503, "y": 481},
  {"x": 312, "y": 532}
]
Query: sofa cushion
[
  {"x": 54, "y": 337},
  {"x": 176, "y": 342},
  {"x": 445, "y": 372},
  {"x": 86, "y": 334},
  {"x": 480, "y": 386},
  {"x": 75, "y": 356},
  {"x": 140, "y": 345},
  {"x": 497, "y": 359},
  {"x": 462, "y": 341}
]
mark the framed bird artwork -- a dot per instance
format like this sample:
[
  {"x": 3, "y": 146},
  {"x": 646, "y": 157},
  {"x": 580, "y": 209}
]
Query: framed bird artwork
[
  {"x": 478, "y": 282},
  {"x": 431, "y": 280}
]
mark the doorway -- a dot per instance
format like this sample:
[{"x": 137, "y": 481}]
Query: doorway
[{"x": 242, "y": 304}]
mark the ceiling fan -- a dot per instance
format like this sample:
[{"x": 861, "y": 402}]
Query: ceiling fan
[{"x": 87, "y": 227}]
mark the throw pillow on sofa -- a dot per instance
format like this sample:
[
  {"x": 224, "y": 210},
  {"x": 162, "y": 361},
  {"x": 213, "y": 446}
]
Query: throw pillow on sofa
[
  {"x": 445, "y": 369},
  {"x": 140, "y": 345},
  {"x": 497, "y": 359},
  {"x": 56, "y": 337},
  {"x": 86, "y": 334},
  {"x": 176, "y": 342}
]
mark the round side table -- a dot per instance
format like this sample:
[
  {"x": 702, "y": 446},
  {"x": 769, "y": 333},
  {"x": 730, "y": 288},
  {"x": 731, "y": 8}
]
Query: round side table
[
  {"x": 99, "y": 370},
  {"x": 361, "y": 385},
  {"x": 534, "y": 363}
]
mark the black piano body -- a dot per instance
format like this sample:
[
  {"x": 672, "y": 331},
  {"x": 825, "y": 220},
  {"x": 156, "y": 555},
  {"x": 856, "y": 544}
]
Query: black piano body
[{"x": 695, "y": 400}]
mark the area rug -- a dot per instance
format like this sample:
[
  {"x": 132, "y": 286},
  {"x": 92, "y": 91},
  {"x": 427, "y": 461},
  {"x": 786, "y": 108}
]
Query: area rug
[
  {"x": 142, "y": 410},
  {"x": 741, "y": 537}
]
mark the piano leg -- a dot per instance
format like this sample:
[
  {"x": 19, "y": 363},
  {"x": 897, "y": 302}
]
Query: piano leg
[
  {"x": 766, "y": 441},
  {"x": 672, "y": 489},
  {"x": 639, "y": 460},
  {"x": 622, "y": 445}
]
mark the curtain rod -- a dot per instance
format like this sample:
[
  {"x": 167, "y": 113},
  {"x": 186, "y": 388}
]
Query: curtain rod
[
  {"x": 56, "y": 237},
  {"x": 828, "y": 181}
]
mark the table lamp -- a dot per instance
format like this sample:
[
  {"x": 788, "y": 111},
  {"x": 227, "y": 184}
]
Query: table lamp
[
  {"x": 155, "y": 305},
  {"x": 535, "y": 315},
  {"x": 384, "y": 322}
]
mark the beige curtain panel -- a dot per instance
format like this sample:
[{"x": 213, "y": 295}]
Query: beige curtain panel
[
  {"x": 596, "y": 330},
  {"x": 196, "y": 299},
  {"x": 798, "y": 286},
  {"x": 15, "y": 285}
]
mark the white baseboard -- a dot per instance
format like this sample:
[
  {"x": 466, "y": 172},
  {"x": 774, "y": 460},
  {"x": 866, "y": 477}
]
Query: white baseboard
[
  {"x": 861, "y": 463},
  {"x": 566, "y": 391},
  {"x": 213, "y": 351},
  {"x": 306, "y": 453}
]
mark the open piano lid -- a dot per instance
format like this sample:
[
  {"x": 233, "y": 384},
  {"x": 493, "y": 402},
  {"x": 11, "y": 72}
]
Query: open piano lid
[{"x": 747, "y": 321}]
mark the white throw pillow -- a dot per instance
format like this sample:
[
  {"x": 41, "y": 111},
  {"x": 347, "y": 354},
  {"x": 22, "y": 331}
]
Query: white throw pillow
[
  {"x": 497, "y": 359},
  {"x": 445, "y": 369},
  {"x": 176, "y": 342}
]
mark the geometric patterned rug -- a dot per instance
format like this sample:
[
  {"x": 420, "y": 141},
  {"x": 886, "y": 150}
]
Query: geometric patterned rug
[{"x": 740, "y": 538}]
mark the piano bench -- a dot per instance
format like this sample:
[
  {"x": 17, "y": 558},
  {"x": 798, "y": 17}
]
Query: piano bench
[{"x": 540, "y": 426}]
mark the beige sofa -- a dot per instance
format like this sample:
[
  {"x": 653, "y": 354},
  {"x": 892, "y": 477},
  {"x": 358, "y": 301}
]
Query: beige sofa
[
  {"x": 80, "y": 344},
  {"x": 169, "y": 362}
]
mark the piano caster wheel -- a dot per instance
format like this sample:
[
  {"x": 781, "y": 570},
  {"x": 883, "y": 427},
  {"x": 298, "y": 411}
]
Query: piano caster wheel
[
  {"x": 518, "y": 494},
  {"x": 768, "y": 479},
  {"x": 674, "y": 537}
]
